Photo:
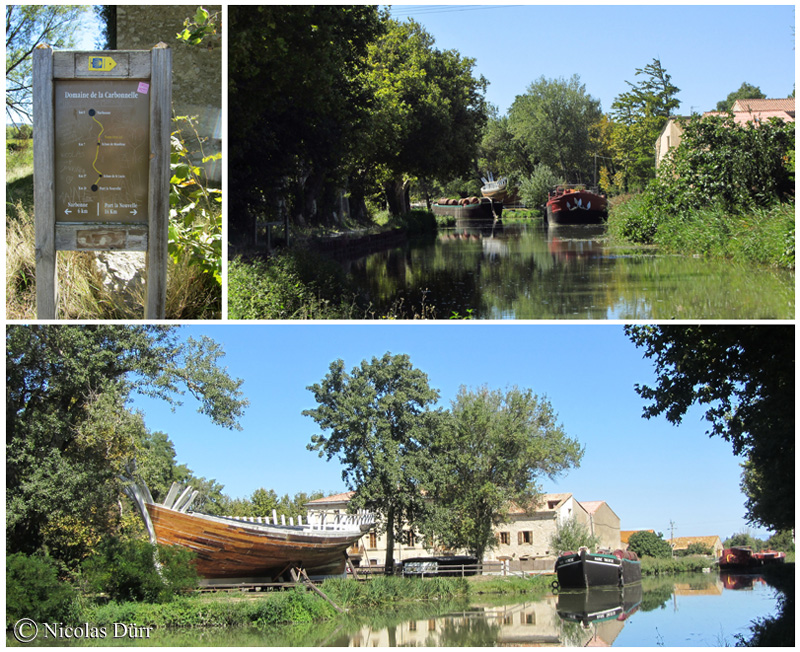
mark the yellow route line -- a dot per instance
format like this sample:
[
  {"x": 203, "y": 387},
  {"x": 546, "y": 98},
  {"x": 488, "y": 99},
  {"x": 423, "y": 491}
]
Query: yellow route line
[{"x": 97, "y": 152}]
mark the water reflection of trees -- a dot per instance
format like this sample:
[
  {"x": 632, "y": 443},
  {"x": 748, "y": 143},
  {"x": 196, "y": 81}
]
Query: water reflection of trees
[{"x": 528, "y": 272}]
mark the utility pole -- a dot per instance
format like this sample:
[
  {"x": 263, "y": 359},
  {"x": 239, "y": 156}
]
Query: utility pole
[{"x": 672, "y": 536}]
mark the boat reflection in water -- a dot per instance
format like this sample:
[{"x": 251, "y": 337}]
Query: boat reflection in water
[
  {"x": 740, "y": 581},
  {"x": 599, "y": 612}
]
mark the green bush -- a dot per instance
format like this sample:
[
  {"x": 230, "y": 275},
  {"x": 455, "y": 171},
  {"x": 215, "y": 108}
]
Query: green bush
[
  {"x": 649, "y": 544},
  {"x": 126, "y": 570},
  {"x": 535, "y": 190},
  {"x": 34, "y": 590},
  {"x": 292, "y": 284}
]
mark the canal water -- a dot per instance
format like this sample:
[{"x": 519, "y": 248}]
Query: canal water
[
  {"x": 697, "y": 610},
  {"x": 532, "y": 271}
]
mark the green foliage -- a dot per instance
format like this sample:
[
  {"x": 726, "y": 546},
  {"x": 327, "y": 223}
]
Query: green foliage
[
  {"x": 427, "y": 110},
  {"x": 373, "y": 416},
  {"x": 200, "y": 28},
  {"x": 26, "y": 27},
  {"x": 69, "y": 433},
  {"x": 417, "y": 222},
  {"x": 744, "y": 378},
  {"x": 649, "y": 544},
  {"x": 535, "y": 189},
  {"x": 668, "y": 566},
  {"x": 125, "y": 570},
  {"x": 694, "y": 549},
  {"x": 34, "y": 590},
  {"x": 298, "y": 100},
  {"x": 489, "y": 451},
  {"x": 640, "y": 114},
  {"x": 292, "y": 284},
  {"x": 746, "y": 92},
  {"x": 744, "y": 540},
  {"x": 195, "y": 226},
  {"x": 783, "y": 541},
  {"x": 720, "y": 162},
  {"x": 572, "y": 535},
  {"x": 553, "y": 121}
]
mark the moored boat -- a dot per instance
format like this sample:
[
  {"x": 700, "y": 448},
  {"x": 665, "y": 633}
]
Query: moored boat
[
  {"x": 460, "y": 565},
  {"x": 494, "y": 189},
  {"x": 249, "y": 548},
  {"x": 575, "y": 206},
  {"x": 471, "y": 208},
  {"x": 742, "y": 558},
  {"x": 584, "y": 569}
]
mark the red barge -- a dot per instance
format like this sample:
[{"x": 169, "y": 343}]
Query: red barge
[
  {"x": 576, "y": 206},
  {"x": 744, "y": 559}
]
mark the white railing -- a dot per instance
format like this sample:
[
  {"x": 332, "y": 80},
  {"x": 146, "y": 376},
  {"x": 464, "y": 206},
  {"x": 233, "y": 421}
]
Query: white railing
[{"x": 313, "y": 520}]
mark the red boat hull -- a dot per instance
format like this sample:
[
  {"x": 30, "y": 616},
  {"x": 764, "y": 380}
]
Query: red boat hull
[{"x": 576, "y": 207}]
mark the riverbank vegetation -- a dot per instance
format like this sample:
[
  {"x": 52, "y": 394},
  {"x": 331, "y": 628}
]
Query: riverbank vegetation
[{"x": 726, "y": 191}]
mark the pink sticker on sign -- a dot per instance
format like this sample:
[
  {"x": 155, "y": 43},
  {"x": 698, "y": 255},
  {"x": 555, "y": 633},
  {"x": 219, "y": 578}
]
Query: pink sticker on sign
[{"x": 144, "y": 87}]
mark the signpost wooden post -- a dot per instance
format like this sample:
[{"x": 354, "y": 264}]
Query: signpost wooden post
[{"x": 101, "y": 153}]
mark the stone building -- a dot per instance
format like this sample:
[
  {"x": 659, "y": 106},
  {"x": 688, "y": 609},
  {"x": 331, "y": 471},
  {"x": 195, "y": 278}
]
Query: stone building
[
  {"x": 526, "y": 537},
  {"x": 196, "y": 70}
]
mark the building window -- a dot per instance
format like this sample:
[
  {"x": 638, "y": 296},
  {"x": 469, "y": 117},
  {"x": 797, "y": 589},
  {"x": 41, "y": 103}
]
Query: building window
[
  {"x": 410, "y": 539},
  {"x": 505, "y": 538},
  {"x": 373, "y": 540},
  {"x": 525, "y": 537}
]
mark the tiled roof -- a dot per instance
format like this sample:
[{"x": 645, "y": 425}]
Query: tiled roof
[
  {"x": 684, "y": 542},
  {"x": 592, "y": 506},
  {"x": 783, "y": 104},
  {"x": 624, "y": 535},
  {"x": 542, "y": 503},
  {"x": 336, "y": 498}
]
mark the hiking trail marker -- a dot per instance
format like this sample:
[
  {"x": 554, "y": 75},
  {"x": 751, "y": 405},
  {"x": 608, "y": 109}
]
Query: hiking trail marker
[{"x": 101, "y": 155}]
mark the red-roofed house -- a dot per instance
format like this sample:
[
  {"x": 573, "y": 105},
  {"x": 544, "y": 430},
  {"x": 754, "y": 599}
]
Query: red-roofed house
[{"x": 744, "y": 111}]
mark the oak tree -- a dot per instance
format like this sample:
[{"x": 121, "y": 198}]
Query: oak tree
[{"x": 372, "y": 417}]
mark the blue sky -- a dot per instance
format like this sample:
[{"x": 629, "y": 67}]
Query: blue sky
[
  {"x": 708, "y": 50},
  {"x": 648, "y": 471}
]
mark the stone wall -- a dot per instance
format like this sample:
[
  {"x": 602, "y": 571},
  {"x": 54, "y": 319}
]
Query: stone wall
[{"x": 196, "y": 70}]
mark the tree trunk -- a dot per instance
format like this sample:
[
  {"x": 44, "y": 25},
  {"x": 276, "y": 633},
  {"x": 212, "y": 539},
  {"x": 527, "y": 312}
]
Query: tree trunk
[
  {"x": 388, "y": 563},
  {"x": 397, "y": 192}
]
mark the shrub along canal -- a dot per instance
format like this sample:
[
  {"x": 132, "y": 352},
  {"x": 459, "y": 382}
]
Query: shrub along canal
[{"x": 530, "y": 271}]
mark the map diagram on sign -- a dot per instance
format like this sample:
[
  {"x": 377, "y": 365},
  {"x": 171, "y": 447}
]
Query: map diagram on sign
[{"x": 102, "y": 143}]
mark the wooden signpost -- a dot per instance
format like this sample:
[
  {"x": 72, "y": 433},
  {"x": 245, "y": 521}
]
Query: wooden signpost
[{"x": 101, "y": 154}]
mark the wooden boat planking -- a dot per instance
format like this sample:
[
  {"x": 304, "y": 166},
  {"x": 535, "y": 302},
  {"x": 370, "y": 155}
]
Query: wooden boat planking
[{"x": 229, "y": 547}]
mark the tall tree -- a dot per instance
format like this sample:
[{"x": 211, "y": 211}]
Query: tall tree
[
  {"x": 68, "y": 431},
  {"x": 553, "y": 120},
  {"x": 640, "y": 115},
  {"x": 26, "y": 27},
  {"x": 488, "y": 455},
  {"x": 501, "y": 152},
  {"x": 373, "y": 416},
  {"x": 296, "y": 103},
  {"x": 746, "y": 92},
  {"x": 427, "y": 114},
  {"x": 744, "y": 377}
]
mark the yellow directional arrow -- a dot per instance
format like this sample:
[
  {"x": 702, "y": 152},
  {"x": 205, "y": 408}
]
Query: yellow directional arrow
[{"x": 101, "y": 63}]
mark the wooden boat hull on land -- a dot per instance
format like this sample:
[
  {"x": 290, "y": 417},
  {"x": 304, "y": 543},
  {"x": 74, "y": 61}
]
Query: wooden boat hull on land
[{"x": 227, "y": 548}]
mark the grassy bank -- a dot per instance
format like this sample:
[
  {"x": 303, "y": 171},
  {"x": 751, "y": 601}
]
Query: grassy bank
[
  {"x": 761, "y": 236},
  {"x": 82, "y": 292},
  {"x": 668, "y": 566},
  {"x": 299, "y": 283},
  {"x": 302, "y": 606}
]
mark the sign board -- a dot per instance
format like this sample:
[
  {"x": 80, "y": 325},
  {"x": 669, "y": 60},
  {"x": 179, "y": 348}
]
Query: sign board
[
  {"x": 102, "y": 146},
  {"x": 101, "y": 123}
]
